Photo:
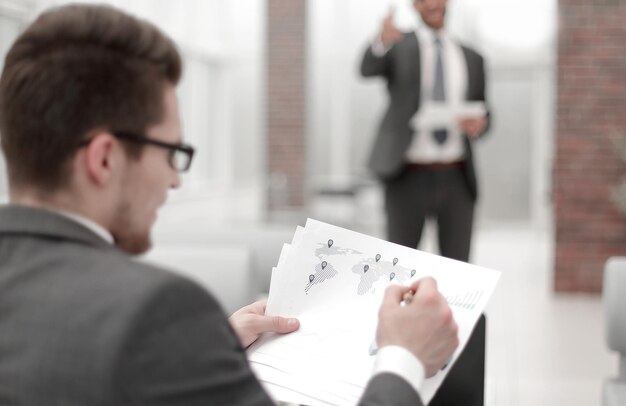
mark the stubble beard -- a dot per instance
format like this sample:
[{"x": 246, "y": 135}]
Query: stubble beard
[{"x": 128, "y": 235}]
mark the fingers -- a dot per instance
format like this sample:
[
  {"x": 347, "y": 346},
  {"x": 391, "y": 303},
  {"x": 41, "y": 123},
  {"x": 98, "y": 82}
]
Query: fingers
[
  {"x": 390, "y": 12},
  {"x": 285, "y": 325},
  {"x": 393, "y": 295},
  {"x": 250, "y": 328},
  {"x": 425, "y": 326},
  {"x": 257, "y": 307},
  {"x": 427, "y": 286},
  {"x": 258, "y": 325},
  {"x": 271, "y": 324},
  {"x": 390, "y": 33},
  {"x": 250, "y": 322},
  {"x": 473, "y": 127},
  {"x": 428, "y": 281},
  {"x": 277, "y": 324}
]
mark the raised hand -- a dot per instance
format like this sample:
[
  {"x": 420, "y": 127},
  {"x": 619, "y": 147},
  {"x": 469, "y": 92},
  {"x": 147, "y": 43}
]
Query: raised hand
[{"x": 390, "y": 34}]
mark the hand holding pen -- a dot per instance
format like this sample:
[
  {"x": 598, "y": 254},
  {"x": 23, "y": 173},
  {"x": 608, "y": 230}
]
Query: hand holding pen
[{"x": 419, "y": 319}]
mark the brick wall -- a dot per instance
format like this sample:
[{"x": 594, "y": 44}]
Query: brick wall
[
  {"x": 591, "y": 121},
  {"x": 286, "y": 155}
]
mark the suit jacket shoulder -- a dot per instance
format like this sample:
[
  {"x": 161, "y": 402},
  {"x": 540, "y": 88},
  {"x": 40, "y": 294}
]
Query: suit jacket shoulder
[{"x": 87, "y": 325}]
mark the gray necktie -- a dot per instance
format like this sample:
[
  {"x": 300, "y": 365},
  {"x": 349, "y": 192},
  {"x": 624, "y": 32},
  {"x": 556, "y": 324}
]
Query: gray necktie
[{"x": 439, "y": 91}]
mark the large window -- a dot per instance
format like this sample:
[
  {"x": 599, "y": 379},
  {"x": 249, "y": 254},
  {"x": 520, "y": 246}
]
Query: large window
[{"x": 222, "y": 42}]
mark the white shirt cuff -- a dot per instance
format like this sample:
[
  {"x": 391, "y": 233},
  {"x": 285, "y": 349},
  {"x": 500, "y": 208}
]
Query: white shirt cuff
[
  {"x": 378, "y": 49},
  {"x": 399, "y": 361}
]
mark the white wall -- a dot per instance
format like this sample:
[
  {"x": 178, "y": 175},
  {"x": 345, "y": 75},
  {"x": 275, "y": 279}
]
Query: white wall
[
  {"x": 517, "y": 39},
  {"x": 13, "y": 14}
]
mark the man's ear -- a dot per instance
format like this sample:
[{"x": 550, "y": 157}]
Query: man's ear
[{"x": 101, "y": 157}]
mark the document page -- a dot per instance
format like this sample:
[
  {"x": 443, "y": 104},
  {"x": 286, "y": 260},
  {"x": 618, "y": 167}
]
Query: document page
[
  {"x": 436, "y": 115},
  {"x": 333, "y": 280}
]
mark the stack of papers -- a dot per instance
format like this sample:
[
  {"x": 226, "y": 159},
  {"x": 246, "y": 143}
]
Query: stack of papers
[
  {"x": 435, "y": 115},
  {"x": 333, "y": 281}
]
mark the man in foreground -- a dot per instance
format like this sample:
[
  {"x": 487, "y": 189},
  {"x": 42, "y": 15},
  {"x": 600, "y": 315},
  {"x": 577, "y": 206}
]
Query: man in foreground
[{"x": 91, "y": 135}]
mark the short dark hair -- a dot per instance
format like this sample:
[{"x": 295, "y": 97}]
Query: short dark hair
[{"x": 74, "y": 70}]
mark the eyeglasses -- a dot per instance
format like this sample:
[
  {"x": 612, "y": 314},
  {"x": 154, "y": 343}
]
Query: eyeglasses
[{"x": 180, "y": 155}]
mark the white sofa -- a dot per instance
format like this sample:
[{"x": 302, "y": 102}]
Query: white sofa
[
  {"x": 233, "y": 262},
  {"x": 223, "y": 270},
  {"x": 614, "y": 297}
]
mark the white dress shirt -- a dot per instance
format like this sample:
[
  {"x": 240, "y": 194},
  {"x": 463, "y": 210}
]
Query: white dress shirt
[
  {"x": 399, "y": 361},
  {"x": 90, "y": 224},
  {"x": 424, "y": 148}
]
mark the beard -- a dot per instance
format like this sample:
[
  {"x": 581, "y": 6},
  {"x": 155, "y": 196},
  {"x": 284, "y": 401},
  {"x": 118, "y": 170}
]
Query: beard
[{"x": 131, "y": 237}]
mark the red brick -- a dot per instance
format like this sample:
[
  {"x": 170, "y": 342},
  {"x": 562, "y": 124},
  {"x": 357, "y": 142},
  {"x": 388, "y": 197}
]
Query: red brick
[
  {"x": 590, "y": 115},
  {"x": 286, "y": 104}
]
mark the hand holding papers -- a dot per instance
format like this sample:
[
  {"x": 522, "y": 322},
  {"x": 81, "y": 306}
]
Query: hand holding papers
[
  {"x": 250, "y": 322},
  {"x": 327, "y": 361}
]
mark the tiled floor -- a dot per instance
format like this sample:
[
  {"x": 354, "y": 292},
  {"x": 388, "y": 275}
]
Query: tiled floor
[{"x": 543, "y": 348}]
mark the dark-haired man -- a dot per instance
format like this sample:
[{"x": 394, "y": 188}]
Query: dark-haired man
[{"x": 91, "y": 135}]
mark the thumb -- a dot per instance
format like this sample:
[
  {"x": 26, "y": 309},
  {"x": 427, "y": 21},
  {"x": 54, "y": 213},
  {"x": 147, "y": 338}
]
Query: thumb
[
  {"x": 277, "y": 324},
  {"x": 389, "y": 16}
]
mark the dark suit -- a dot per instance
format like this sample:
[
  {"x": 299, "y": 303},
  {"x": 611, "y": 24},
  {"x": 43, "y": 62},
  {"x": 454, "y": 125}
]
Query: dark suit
[
  {"x": 401, "y": 67},
  {"x": 81, "y": 323},
  {"x": 413, "y": 193}
]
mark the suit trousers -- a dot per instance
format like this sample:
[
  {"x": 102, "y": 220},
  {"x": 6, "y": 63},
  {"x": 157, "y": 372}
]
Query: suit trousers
[
  {"x": 442, "y": 193},
  {"x": 438, "y": 192}
]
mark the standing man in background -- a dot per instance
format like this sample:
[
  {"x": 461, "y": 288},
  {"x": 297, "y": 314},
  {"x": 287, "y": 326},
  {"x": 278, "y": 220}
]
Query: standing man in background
[
  {"x": 91, "y": 134},
  {"x": 427, "y": 173},
  {"x": 430, "y": 172}
]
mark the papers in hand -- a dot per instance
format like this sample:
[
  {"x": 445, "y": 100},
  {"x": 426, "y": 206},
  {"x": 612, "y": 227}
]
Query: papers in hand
[
  {"x": 333, "y": 280},
  {"x": 437, "y": 115}
]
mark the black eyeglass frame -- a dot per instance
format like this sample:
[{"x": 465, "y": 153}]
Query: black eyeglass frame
[{"x": 187, "y": 149}]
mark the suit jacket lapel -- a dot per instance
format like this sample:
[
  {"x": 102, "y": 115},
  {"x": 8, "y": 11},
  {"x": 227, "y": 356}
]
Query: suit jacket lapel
[
  {"x": 472, "y": 79},
  {"x": 415, "y": 64},
  {"x": 21, "y": 220}
]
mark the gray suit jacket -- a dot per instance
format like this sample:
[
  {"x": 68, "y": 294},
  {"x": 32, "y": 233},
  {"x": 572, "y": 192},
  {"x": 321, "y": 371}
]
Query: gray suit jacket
[
  {"x": 81, "y": 323},
  {"x": 400, "y": 66}
]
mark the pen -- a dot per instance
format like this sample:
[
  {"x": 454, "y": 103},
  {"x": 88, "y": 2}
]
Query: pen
[{"x": 407, "y": 298}]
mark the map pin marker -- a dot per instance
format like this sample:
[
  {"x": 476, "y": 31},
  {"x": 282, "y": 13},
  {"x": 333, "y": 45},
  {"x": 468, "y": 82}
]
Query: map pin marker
[
  {"x": 377, "y": 257},
  {"x": 330, "y": 243},
  {"x": 311, "y": 277},
  {"x": 324, "y": 264},
  {"x": 412, "y": 273},
  {"x": 395, "y": 261},
  {"x": 366, "y": 268},
  {"x": 391, "y": 276}
]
